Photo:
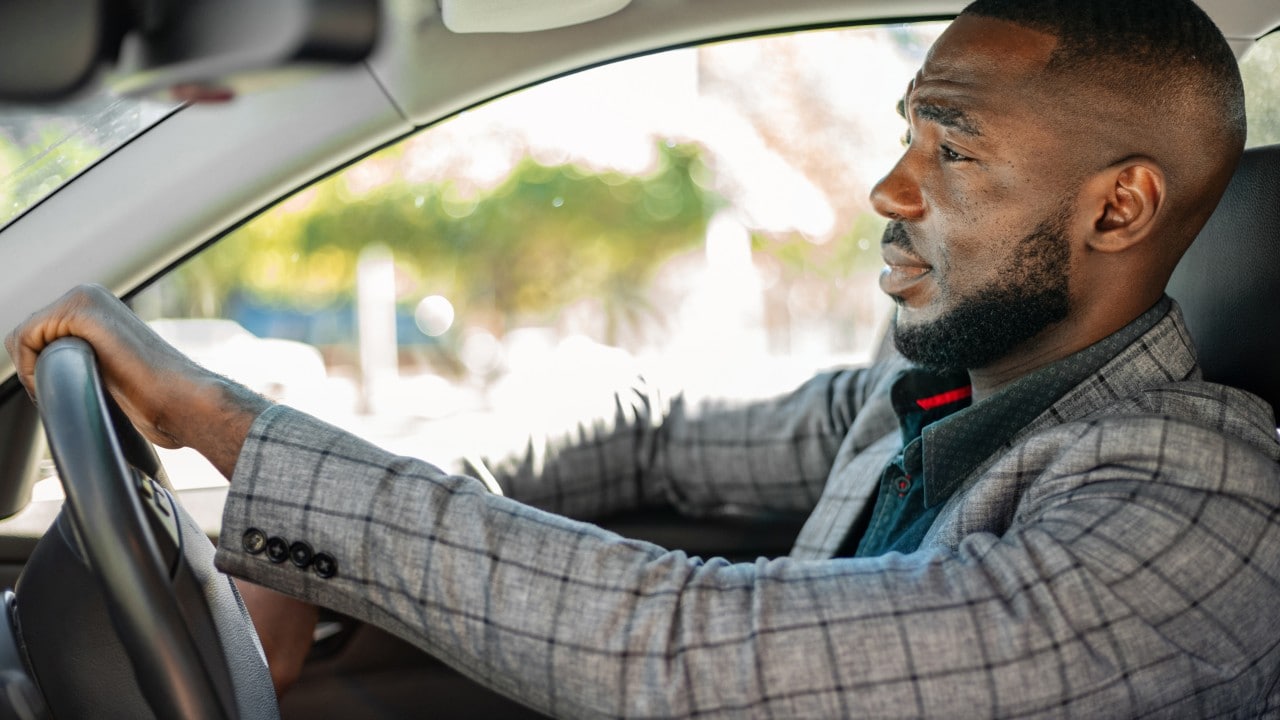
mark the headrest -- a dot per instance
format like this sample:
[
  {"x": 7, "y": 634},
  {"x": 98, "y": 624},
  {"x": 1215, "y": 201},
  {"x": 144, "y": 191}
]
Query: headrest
[{"x": 1228, "y": 283}]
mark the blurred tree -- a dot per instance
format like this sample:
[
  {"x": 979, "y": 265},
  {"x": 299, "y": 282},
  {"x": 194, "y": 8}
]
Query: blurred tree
[
  {"x": 833, "y": 280},
  {"x": 520, "y": 252}
]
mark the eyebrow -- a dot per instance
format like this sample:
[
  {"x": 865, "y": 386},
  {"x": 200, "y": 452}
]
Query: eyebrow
[{"x": 951, "y": 117}]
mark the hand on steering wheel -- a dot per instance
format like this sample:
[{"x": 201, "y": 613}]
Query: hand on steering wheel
[{"x": 178, "y": 676}]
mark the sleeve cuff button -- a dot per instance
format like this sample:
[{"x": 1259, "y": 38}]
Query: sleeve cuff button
[
  {"x": 324, "y": 565},
  {"x": 300, "y": 553},
  {"x": 277, "y": 549},
  {"x": 254, "y": 541}
]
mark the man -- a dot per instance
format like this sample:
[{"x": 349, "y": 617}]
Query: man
[{"x": 1045, "y": 512}]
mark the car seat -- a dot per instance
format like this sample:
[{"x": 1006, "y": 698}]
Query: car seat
[{"x": 1228, "y": 283}]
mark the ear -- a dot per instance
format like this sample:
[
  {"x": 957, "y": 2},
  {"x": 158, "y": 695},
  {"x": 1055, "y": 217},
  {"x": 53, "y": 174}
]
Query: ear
[{"x": 1126, "y": 198}]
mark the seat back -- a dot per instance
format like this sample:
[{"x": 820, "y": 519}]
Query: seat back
[{"x": 1228, "y": 283}]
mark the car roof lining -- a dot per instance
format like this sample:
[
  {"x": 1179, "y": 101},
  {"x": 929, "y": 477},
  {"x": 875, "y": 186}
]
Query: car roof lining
[{"x": 419, "y": 41}]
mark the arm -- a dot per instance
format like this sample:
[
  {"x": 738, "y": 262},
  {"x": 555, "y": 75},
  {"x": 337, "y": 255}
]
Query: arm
[
  {"x": 1105, "y": 598},
  {"x": 650, "y": 450},
  {"x": 701, "y": 456}
]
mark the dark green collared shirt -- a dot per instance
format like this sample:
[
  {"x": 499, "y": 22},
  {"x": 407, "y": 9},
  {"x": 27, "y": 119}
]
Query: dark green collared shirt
[{"x": 945, "y": 438}]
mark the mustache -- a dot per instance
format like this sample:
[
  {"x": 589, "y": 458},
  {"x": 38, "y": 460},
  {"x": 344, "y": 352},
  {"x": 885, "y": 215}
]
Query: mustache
[{"x": 895, "y": 233}]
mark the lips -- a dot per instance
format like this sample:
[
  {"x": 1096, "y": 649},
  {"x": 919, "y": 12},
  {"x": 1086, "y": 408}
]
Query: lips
[{"x": 902, "y": 270}]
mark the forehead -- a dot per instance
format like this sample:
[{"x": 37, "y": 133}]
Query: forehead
[{"x": 983, "y": 64}]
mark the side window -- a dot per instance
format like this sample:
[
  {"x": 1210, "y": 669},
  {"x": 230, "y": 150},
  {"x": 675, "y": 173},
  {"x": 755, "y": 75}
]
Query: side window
[
  {"x": 699, "y": 213},
  {"x": 1260, "y": 70}
]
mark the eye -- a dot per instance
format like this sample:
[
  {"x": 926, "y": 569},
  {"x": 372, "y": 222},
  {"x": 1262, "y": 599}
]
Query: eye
[{"x": 949, "y": 155}]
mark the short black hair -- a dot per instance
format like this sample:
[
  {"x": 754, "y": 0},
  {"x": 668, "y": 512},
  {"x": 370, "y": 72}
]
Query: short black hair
[{"x": 1155, "y": 49}]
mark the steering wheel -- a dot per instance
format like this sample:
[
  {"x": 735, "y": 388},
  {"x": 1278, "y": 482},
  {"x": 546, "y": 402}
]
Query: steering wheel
[{"x": 180, "y": 623}]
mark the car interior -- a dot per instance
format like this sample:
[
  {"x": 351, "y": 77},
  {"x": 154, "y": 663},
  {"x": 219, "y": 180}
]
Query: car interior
[
  {"x": 321, "y": 86},
  {"x": 1226, "y": 282}
]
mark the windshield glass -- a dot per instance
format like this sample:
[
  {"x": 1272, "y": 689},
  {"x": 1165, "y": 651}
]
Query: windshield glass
[{"x": 42, "y": 147}]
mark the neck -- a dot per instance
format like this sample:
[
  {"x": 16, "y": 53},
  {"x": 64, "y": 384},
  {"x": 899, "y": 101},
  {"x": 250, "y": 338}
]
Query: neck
[
  {"x": 1070, "y": 336},
  {"x": 995, "y": 377},
  {"x": 1054, "y": 343}
]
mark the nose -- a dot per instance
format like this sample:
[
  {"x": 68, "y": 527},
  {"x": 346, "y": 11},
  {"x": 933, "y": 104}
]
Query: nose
[{"x": 897, "y": 195}]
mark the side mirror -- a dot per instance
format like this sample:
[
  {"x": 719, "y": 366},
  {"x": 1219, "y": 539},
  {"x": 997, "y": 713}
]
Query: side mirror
[{"x": 50, "y": 49}]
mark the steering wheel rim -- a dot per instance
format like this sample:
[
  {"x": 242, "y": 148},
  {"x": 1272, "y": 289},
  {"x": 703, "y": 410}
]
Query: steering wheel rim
[{"x": 106, "y": 511}]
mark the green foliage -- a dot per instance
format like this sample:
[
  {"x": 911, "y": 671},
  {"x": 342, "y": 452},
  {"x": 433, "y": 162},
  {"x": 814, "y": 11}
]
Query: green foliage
[
  {"x": 544, "y": 238},
  {"x": 857, "y": 249},
  {"x": 36, "y": 160},
  {"x": 10, "y": 159}
]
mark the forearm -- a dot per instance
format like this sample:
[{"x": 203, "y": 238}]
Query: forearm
[{"x": 702, "y": 456}]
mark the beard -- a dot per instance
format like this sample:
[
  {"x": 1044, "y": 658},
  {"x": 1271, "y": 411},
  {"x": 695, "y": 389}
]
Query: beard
[{"x": 995, "y": 320}]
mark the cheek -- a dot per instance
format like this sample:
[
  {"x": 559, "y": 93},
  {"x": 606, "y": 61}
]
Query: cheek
[
  {"x": 972, "y": 201},
  {"x": 969, "y": 244},
  {"x": 975, "y": 216},
  {"x": 979, "y": 256}
]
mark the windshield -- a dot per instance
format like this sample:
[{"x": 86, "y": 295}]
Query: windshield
[{"x": 43, "y": 147}]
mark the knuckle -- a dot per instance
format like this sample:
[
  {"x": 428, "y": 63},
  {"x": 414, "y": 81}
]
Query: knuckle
[{"x": 84, "y": 294}]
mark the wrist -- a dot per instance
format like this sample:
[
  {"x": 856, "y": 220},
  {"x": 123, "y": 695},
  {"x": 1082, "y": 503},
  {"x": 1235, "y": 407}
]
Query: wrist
[{"x": 216, "y": 422}]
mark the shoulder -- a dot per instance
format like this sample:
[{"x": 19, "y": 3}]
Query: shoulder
[
  {"x": 1151, "y": 454},
  {"x": 1181, "y": 407}
]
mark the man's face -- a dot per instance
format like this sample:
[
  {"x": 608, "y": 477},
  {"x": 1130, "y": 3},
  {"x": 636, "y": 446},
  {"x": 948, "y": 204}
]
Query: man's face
[{"x": 978, "y": 248}]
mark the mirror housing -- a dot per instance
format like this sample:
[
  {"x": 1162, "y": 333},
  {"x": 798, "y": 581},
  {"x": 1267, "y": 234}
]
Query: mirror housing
[{"x": 51, "y": 49}]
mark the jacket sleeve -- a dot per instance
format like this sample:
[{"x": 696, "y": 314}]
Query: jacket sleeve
[
  {"x": 1129, "y": 585},
  {"x": 701, "y": 456}
]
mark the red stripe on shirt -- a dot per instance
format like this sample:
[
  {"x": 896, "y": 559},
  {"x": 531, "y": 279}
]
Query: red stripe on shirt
[{"x": 945, "y": 398}]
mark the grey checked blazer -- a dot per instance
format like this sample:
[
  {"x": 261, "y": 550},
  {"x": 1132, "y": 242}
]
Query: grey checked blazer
[{"x": 1120, "y": 558}]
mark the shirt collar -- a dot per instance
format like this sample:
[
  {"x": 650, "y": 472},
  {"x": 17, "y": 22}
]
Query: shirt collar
[{"x": 958, "y": 437}]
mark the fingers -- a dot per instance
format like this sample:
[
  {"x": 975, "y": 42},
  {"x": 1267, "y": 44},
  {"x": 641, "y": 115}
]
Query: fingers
[
  {"x": 142, "y": 372},
  {"x": 11, "y": 345},
  {"x": 76, "y": 313},
  {"x": 173, "y": 401},
  {"x": 25, "y": 342}
]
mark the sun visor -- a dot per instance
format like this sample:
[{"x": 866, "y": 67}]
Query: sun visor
[{"x": 484, "y": 16}]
